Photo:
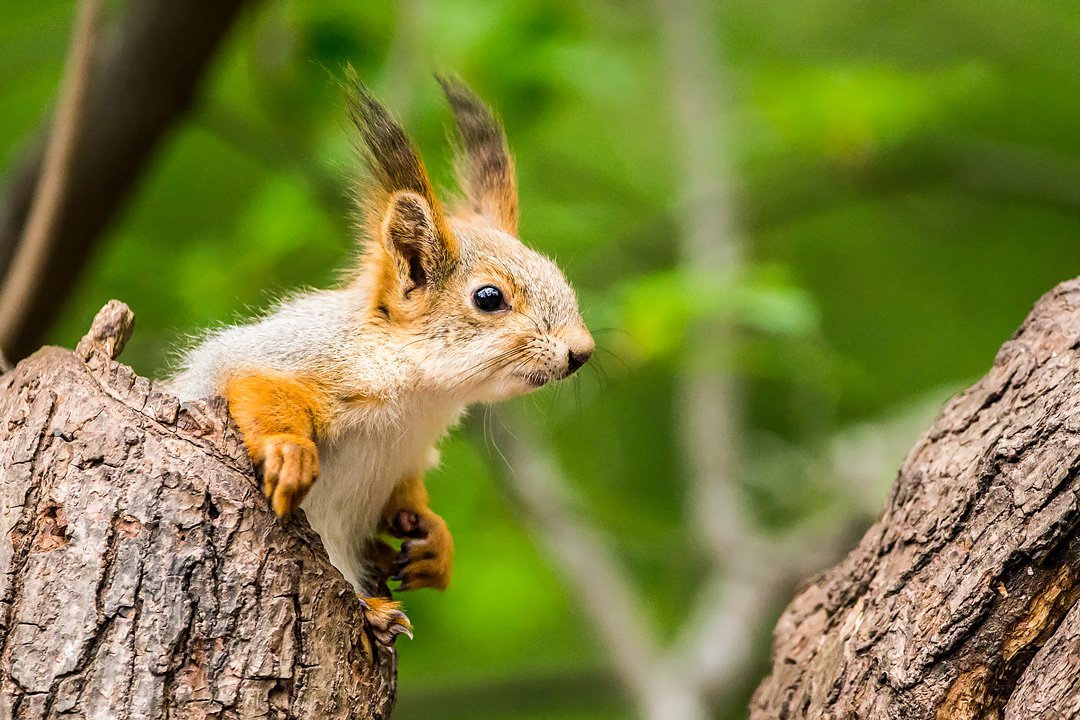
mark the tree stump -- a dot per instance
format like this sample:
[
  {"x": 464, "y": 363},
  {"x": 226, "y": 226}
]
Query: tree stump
[
  {"x": 960, "y": 602},
  {"x": 142, "y": 573}
]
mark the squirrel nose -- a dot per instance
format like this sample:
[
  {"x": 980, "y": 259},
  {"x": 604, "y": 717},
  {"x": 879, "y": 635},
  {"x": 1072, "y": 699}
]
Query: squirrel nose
[{"x": 576, "y": 359}]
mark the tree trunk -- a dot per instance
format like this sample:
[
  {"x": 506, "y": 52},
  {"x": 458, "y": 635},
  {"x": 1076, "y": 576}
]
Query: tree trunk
[
  {"x": 145, "y": 80},
  {"x": 143, "y": 573},
  {"x": 960, "y": 602}
]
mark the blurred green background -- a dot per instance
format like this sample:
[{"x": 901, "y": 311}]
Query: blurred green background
[{"x": 906, "y": 183}]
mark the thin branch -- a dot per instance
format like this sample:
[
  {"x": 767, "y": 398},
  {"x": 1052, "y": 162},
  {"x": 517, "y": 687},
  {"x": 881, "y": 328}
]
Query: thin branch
[
  {"x": 144, "y": 80},
  {"x": 718, "y": 637},
  {"x": 607, "y": 595},
  {"x": 709, "y": 246},
  {"x": 716, "y": 641},
  {"x": 25, "y": 274},
  {"x": 859, "y": 461},
  {"x": 747, "y": 576},
  {"x": 710, "y": 652},
  {"x": 720, "y": 634}
]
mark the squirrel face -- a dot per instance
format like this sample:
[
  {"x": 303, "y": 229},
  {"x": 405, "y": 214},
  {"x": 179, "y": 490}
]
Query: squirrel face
[
  {"x": 507, "y": 316},
  {"x": 480, "y": 315}
]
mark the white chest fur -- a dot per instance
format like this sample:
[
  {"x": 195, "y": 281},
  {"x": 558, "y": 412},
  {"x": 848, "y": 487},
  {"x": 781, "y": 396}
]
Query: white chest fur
[{"x": 359, "y": 468}]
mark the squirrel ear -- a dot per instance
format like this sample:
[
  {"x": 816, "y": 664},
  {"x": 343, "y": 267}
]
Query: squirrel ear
[
  {"x": 410, "y": 233},
  {"x": 484, "y": 166},
  {"x": 399, "y": 204}
]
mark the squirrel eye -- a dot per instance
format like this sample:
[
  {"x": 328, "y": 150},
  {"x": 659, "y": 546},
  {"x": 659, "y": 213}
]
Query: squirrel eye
[{"x": 489, "y": 299}]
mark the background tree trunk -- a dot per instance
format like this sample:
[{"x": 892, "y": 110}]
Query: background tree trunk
[
  {"x": 960, "y": 602},
  {"x": 144, "y": 81},
  {"x": 142, "y": 574}
]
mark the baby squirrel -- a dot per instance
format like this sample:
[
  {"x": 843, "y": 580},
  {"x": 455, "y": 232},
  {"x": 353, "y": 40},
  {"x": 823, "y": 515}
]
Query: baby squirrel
[{"x": 341, "y": 395}]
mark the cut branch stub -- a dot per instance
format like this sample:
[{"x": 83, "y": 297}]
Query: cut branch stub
[
  {"x": 110, "y": 331},
  {"x": 961, "y": 601},
  {"x": 142, "y": 573}
]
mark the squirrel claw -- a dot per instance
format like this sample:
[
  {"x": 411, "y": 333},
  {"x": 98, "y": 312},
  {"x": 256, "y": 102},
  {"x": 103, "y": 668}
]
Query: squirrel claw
[
  {"x": 424, "y": 563},
  {"x": 289, "y": 465},
  {"x": 386, "y": 619}
]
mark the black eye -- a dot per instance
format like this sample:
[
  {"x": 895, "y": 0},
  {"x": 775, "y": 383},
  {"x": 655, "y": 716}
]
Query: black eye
[{"x": 489, "y": 299}]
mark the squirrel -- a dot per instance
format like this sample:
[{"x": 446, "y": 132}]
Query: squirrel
[{"x": 341, "y": 395}]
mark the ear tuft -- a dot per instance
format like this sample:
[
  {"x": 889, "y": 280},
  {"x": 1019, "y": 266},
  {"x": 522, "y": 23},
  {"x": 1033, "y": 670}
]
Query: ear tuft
[
  {"x": 485, "y": 167},
  {"x": 390, "y": 158},
  {"x": 411, "y": 245}
]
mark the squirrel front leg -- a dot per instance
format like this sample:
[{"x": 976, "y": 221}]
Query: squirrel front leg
[
  {"x": 279, "y": 415},
  {"x": 427, "y": 552}
]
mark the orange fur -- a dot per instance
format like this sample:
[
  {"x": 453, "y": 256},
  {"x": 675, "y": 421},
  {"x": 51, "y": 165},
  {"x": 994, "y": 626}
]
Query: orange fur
[
  {"x": 410, "y": 494},
  {"x": 411, "y": 239},
  {"x": 404, "y": 220},
  {"x": 427, "y": 554},
  {"x": 280, "y": 415}
]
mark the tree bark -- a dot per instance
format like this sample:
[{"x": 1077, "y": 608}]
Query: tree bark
[
  {"x": 142, "y": 573},
  {"x": 960, "y": 602}
]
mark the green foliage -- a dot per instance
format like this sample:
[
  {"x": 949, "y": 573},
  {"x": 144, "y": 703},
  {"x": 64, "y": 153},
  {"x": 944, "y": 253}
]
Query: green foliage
[
  {"x": 903, "y": 175},
  {"x": 659, "y": 309}
]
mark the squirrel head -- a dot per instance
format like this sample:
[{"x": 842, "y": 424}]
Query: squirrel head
[{"x": 482, "y": 316}]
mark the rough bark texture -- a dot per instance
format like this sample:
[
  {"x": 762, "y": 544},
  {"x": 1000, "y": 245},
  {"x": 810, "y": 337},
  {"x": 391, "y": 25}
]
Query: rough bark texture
[
  {"x": 960, "y": 602},
  {"x": 142, "y": 574}
]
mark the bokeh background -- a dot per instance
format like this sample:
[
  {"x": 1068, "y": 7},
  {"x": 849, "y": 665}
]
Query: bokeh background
[{"x": 795, "y": 228}]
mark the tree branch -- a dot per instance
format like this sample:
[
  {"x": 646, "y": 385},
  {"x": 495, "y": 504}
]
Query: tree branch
[
  {"x": 24, "y": 276},
  {"x": 143, "y": 82},
  {"x": 584, "y": 556},
  {"x": 744, "y": 581},
  {"x": 709, "y": 247}
]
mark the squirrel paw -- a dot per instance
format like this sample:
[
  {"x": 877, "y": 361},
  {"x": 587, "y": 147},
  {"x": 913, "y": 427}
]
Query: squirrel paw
[
  {"x": 382, "y": 557},
  {"x": 386, "y": 619},
  {"x": 426, "y": 555},
  {"x": 290, "y": 464}
]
